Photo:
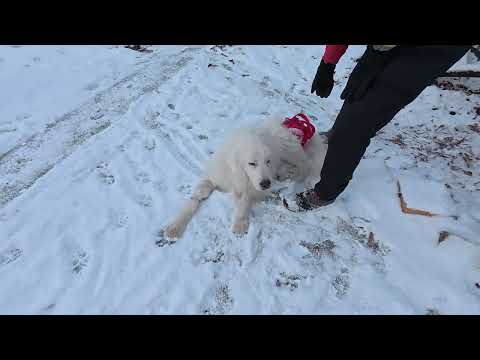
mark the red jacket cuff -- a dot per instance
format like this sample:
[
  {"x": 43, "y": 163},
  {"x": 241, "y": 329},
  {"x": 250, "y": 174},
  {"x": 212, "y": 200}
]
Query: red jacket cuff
[{"x": 333, "y": 53}]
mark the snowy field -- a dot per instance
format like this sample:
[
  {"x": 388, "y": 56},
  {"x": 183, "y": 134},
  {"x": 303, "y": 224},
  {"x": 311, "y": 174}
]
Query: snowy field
[{"x": 100, "y": 146}]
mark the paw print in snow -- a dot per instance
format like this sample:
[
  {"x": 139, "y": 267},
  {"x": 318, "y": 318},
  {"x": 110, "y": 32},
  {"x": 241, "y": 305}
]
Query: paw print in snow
[
  {"x": 142, "y": 177},
  {"x": 80, "y": 260},
  {"x": 104, "y": 174},
  {"x": 341, "y": 283},
  {"x": 185, "y": 189},
  {"x": 145, "y": 200},
  {"x": 149, "y": 144},
  {"x": 290, "y": 281}
]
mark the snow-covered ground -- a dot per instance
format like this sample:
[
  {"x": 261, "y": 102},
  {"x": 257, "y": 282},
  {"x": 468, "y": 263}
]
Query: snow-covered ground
[{"x": 100, "y": 146}]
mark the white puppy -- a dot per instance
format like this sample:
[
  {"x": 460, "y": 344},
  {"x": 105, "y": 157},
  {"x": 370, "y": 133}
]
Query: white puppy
[{"x": 247, "y": 164}]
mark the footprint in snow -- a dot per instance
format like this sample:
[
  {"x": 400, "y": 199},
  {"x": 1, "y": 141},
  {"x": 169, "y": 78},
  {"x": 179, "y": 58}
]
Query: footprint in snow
[
  {"x": 92, "y": 86},
  {"x": 218, "y": 301},
  {"x": 7, "y": 130},
  {"x": 341, "y": 283},
  {"x": 48, "y": 308},
  {"x": 142, "y": 177},
  {"x": 185, "y": 189},
  {"x": 432, "y": 311},
  {"x": 118, "y": 218},
  {"x": 104, "y": 174},
  {"x": 149, "y": 144},
  {"x": 160, "y": 186},
  {"x": 79, "y": 261},
  {"x": 145, "y": 200},
  {"x": 9, "y": 256},
  {"x": 22, "y": 116},
  {"x": 289, "y": 281},
  {"x": 97, "y": 115},
  {"x": 161, "y": 241}
]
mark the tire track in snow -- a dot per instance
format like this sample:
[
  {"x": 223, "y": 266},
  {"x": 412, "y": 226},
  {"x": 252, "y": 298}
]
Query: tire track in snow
[
  {"x": 24, "y": 164},
  {"x": 188, "y": 145},
  {"x": 171, "y": 146}
]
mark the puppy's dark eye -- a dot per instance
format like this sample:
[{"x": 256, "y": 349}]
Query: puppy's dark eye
[
  {"x": 267, "y": 162},
  {"x": 252, "y": 164}
]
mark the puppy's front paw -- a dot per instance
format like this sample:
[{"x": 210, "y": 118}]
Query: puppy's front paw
[
  {"x": 240, "y": 227},
  {"x": 173, "y": 231}
]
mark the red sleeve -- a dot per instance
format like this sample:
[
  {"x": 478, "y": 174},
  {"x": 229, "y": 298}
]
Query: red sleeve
[{"x": 333, "y": 53}]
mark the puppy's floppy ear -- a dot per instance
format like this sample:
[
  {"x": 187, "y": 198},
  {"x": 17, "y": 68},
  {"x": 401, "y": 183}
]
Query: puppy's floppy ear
[{"x": 240, "y": 178}]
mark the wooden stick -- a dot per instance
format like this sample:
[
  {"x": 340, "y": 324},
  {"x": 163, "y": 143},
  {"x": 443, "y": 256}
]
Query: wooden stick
[{"x": 406, "y": 209}]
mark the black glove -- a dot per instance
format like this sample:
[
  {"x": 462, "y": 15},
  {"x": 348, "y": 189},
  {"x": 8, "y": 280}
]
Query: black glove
[
  {"x": 323, "y": 83},
  {"x": 363, "y": 75}
]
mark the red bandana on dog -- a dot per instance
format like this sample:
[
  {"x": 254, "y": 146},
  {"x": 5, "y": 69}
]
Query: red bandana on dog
[{"x": 301, "y": 127}]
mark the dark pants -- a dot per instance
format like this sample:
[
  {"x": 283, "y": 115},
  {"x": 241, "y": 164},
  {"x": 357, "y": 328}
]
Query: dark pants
[{"x": 408, "y": 73}]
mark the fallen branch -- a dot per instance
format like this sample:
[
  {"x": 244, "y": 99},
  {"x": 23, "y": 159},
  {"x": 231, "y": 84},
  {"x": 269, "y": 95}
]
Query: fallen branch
[{"x": 406, "y": 209}]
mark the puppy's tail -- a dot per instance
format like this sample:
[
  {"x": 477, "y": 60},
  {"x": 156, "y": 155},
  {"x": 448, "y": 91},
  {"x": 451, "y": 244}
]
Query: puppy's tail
[{"x": 176, "y": 228}]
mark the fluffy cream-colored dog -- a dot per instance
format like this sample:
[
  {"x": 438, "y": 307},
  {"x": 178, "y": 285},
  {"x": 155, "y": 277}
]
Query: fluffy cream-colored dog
[{"x": 247, "y": 164}]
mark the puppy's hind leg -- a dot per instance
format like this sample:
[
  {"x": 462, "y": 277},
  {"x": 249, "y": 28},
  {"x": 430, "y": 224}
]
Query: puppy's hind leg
[{"x": 176, "y": 228}]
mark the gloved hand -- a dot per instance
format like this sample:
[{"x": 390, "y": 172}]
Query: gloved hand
[
  {"x": 323, "y": 83},
  {"x": 363, "y": 75}
]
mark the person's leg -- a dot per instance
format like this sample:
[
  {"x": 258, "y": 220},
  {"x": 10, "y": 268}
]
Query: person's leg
[{"x": 410, "y": 71}]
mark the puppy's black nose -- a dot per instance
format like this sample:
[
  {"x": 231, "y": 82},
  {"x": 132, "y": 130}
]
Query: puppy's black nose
[{"x": 265, "y": 184}]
